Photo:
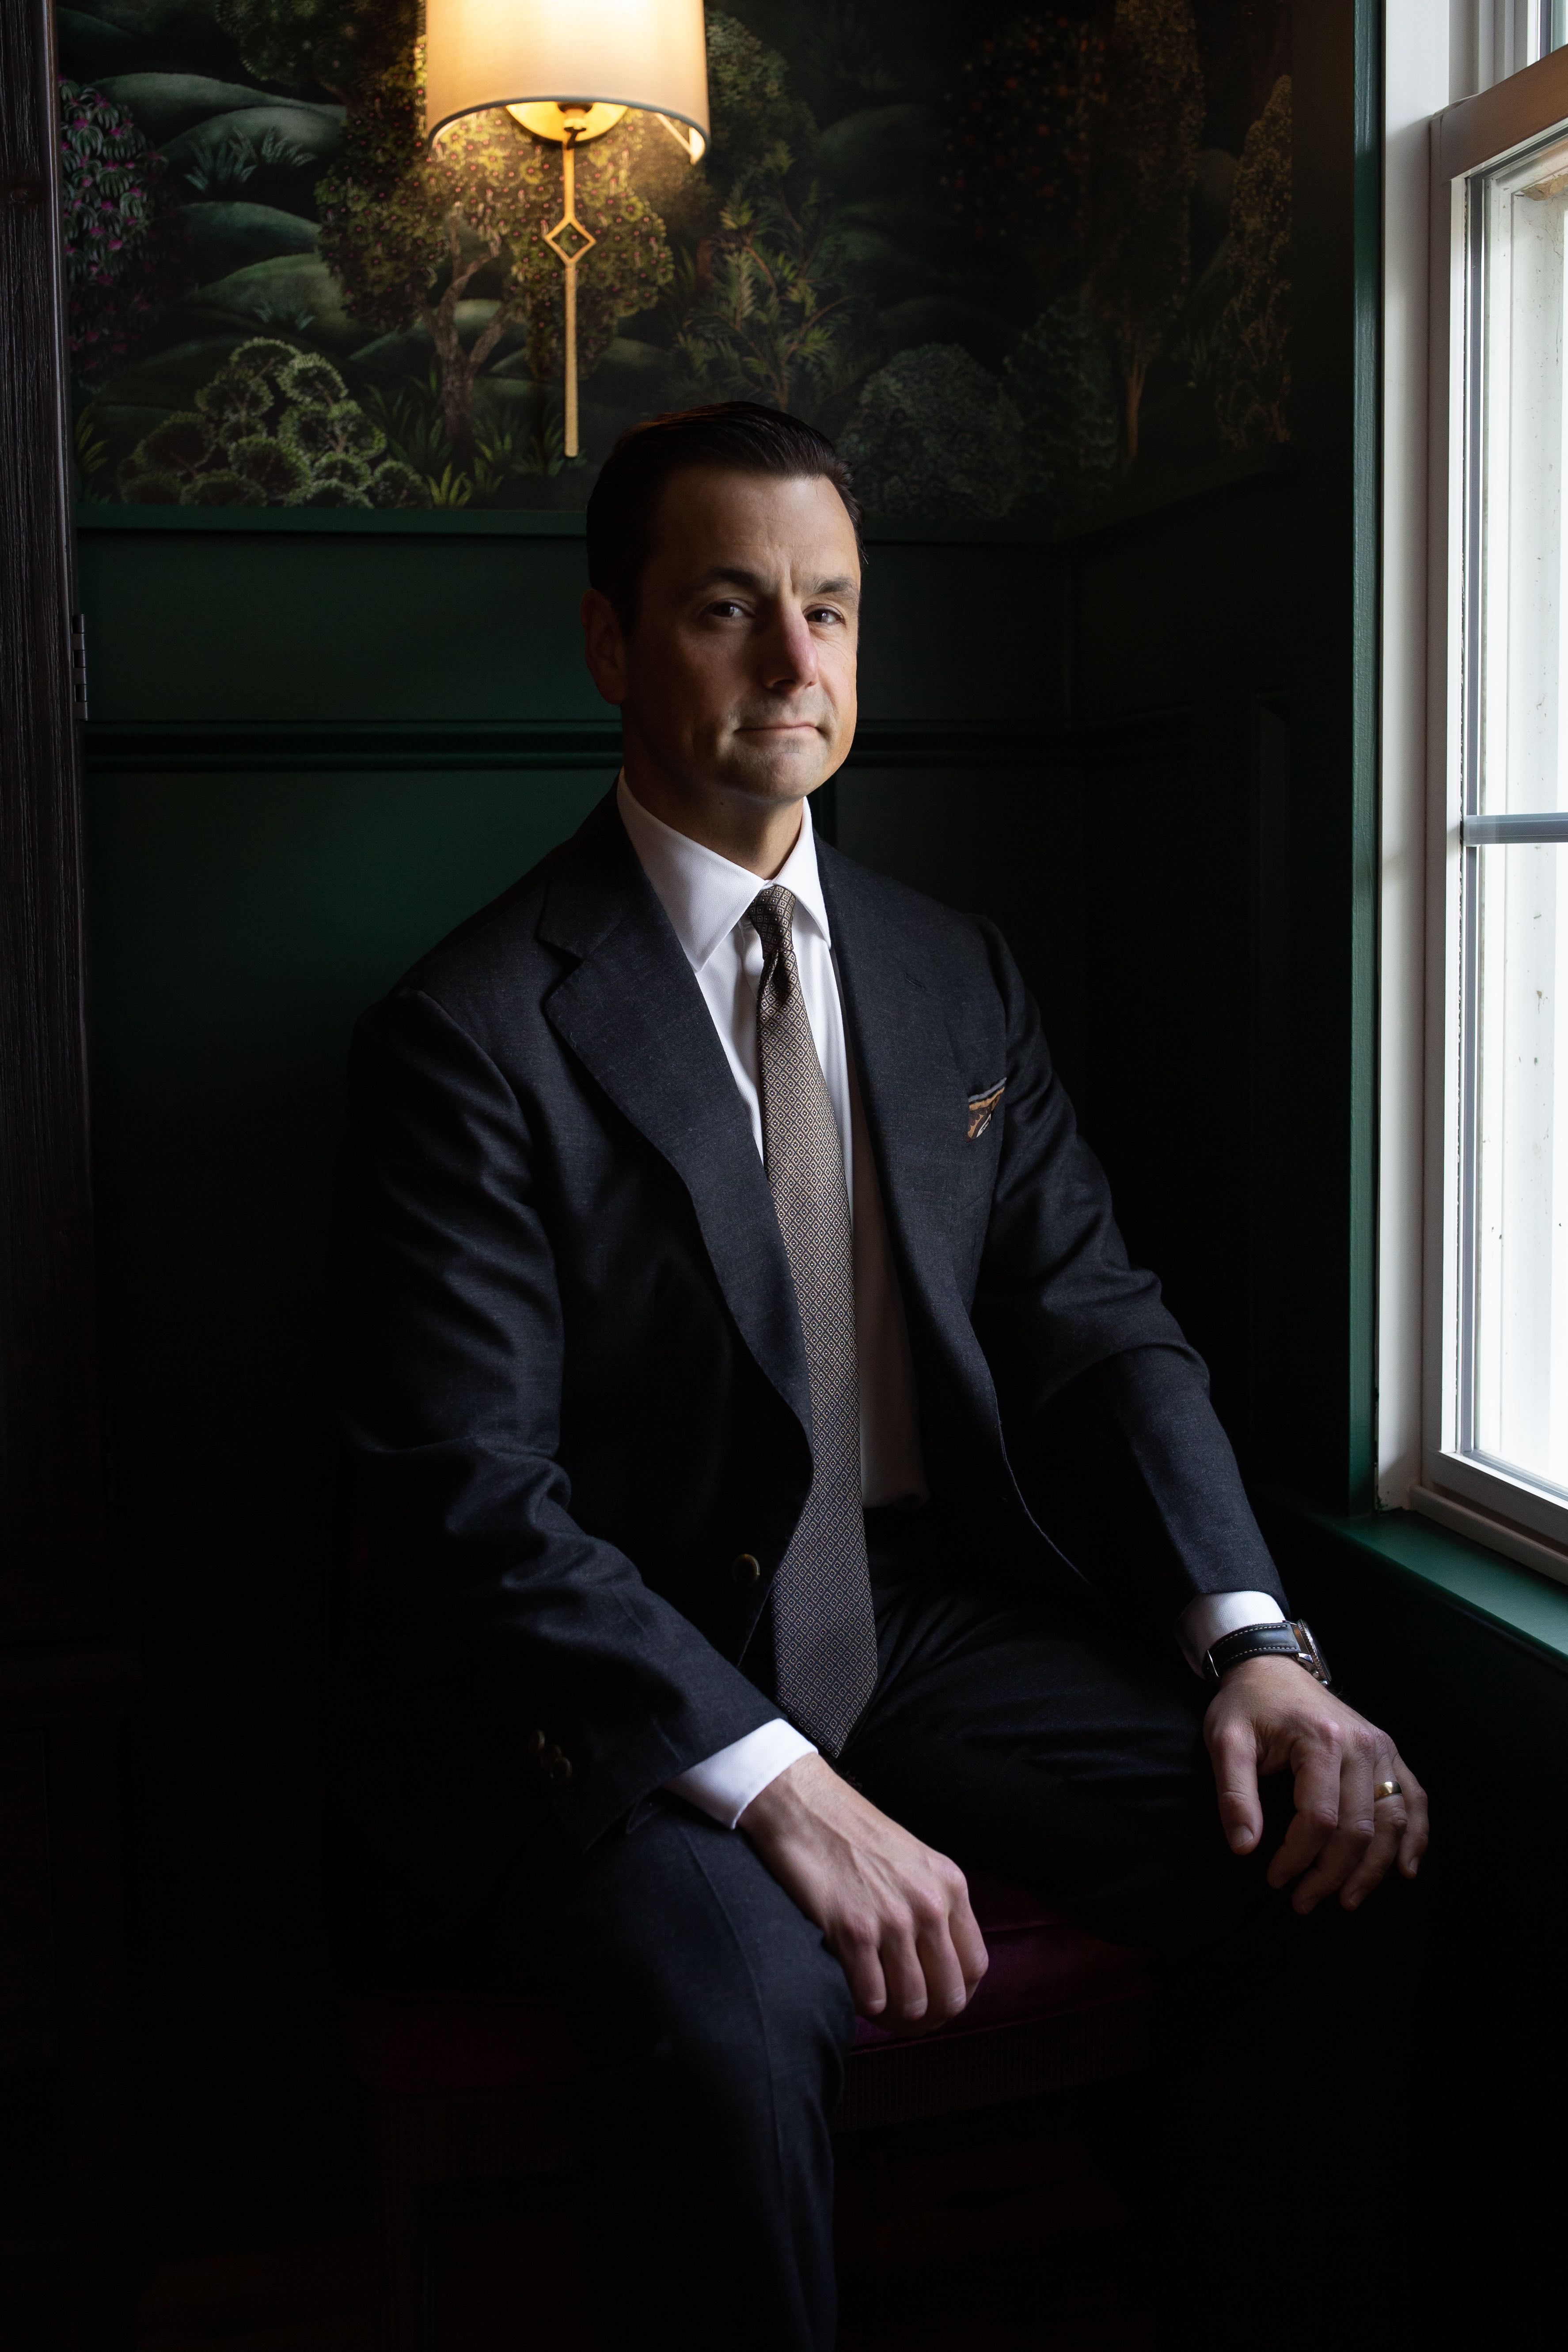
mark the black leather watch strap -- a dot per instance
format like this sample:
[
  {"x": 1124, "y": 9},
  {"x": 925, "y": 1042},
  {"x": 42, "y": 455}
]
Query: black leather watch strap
[{"x": 1291, "y": 1639}]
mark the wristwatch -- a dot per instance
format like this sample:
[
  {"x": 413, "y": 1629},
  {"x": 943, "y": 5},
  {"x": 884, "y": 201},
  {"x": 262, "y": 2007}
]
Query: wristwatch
[{"x": 1290, "y": 1640}]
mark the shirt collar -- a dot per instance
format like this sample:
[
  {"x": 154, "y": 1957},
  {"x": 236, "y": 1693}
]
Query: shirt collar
[{"x": 703, "y": 894}]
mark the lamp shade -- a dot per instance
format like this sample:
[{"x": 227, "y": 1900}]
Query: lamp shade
[{"x": 651, "y": 54}]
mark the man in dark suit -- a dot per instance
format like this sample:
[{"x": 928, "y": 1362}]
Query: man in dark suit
[{"x": 778, "y": 1488}]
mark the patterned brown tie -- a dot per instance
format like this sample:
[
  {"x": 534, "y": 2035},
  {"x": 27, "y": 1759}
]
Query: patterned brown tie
[{"x": 824, "y": 1630}]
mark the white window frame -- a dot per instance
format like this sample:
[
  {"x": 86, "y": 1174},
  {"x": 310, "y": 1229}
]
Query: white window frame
[
  {"x": 1489, "y": 39},
  {"x": 1482, "y": 1500}
]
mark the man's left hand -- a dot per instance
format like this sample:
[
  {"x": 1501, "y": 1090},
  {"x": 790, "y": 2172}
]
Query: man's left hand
[{"x": 1268, "y": 1716}]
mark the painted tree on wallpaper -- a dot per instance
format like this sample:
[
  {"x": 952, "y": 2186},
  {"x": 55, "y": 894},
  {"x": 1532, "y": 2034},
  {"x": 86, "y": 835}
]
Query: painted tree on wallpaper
[
  {"x": 1142, "y": 161},
  {"x": 125, "y": 238},
  {"x": 1254, "y": 407},
  {"x": 1021, "y": 262}
]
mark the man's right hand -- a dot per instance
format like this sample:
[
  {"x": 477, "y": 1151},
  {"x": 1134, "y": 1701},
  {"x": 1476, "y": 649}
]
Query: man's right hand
[{"x": 895, "y": 1916}]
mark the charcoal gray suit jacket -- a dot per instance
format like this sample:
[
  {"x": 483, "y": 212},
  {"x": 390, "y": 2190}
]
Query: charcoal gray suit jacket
[{"x": 573, "y": 1384}]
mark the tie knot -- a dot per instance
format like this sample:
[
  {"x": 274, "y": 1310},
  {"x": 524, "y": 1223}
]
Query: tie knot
[{"x": 772, "y": 915}]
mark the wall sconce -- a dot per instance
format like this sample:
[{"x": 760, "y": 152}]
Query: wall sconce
[{"x": 568, "y": 70}]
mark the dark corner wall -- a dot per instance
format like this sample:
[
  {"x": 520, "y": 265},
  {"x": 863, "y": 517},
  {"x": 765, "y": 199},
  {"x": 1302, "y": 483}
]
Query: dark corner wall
[{"x": 1137, "y": 744}]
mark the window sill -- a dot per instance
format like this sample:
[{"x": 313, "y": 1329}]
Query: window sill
[
  {"x": 1460, "y": 1574},
  {"x": 1493, "y": 1534}
]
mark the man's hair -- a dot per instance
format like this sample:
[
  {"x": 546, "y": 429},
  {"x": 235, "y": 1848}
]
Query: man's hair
[{"x": 735, "y": 437}]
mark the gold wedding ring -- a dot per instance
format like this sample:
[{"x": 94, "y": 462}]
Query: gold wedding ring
[{"x": 1386, "y": 1788}]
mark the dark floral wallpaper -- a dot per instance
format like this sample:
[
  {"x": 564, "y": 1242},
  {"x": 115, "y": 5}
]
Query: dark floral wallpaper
[{"x": 1019, "y": 262}]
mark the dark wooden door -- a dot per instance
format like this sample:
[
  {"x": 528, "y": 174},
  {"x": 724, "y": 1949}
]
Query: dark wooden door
[{"x": 64, "y": 1676}]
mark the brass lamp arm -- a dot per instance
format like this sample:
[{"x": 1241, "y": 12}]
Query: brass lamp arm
[{"x": 569, "y": 255}]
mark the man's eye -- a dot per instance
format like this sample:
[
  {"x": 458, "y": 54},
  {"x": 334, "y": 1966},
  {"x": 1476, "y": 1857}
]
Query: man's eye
[
  {"x": 824, "y": 613},
  {"x": 727, "y": 609}
]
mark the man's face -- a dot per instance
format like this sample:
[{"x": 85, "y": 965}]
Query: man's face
[{"x": 738, "y": 676}]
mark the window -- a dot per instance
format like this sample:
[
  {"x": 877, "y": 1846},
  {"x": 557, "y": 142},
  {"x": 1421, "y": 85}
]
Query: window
[{"x": 1497, "y": 1401}]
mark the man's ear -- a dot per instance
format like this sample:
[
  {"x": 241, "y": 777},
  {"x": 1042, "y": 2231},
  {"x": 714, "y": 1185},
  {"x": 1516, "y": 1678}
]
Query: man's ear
[{"x": 604, "y": 646}]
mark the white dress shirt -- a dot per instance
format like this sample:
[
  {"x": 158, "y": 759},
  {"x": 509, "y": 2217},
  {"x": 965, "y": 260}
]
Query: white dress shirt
[{"x": 706, "y": 899}]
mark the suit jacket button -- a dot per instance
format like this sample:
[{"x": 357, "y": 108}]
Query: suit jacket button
[
  {"x": 557, "y": 1767},
  {"x": 746, "y": 1569}
]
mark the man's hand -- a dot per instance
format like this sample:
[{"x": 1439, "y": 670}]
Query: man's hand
[
  {"x": 1268, "y": 1716},
  {"x": 894, "y": 1915}
]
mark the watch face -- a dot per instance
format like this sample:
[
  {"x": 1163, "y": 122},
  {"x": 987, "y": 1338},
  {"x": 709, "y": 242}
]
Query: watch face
[{"x": 1307, "y": 1650}]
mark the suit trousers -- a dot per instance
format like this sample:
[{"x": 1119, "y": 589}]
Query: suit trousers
[{"x": 1038, "y": 1739}]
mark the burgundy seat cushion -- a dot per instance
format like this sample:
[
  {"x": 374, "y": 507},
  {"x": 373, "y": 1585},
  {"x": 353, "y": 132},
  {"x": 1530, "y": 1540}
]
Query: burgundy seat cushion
[
  {"x": 1040, "y": 1964},
  {"x": 414, "y": 2042}
]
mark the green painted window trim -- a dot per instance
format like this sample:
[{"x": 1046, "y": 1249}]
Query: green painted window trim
[
  {"x": 1462, "y": 1575},
  {"x": 1366, "y": 687}
]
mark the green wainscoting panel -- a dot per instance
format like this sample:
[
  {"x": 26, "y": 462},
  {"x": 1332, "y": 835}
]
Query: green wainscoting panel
[
  {"x": 1188, "y": 600},
  {"x": 237, "y": 627},
  {"x": 239, "y": 926},
  {"x": 1185, "y": 978},
  {"x": 267, "y": 627},
  {"x": 1167, "y": 982}
]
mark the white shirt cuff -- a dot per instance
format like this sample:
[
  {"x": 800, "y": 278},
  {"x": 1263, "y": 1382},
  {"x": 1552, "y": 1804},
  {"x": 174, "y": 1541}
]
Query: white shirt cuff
[
  {"x": 723, "y": 1786},
  {"x": 1202, "y": 1621}
]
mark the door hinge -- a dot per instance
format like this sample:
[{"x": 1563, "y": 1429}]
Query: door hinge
[{"x": 78, "y": 663}]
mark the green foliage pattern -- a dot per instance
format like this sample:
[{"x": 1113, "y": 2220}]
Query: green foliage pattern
[
  {"x": 934, "y": 434},
  {"x": 1019, "y": 127},
  {"x": 773, "y": 323},
  {"x": 1255, "y": 403},
  {"x": 754, "y": 110},
  {"x": 1060, "y": 379},
  {"x": 1140, "y": 175},
  {"x": 337, "y": 43},
  {"x": 234, "y": 162},
  {"x": 274, "y": 428},
  {"x": 124, "y": 239}
]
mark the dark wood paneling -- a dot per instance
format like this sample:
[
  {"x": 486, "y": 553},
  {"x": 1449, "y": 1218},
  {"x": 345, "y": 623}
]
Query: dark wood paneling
[
  {"x": 27, "y": 1908},
  {"x": 50, "y": 1550},
  {"x": 65, "y": 2243}
]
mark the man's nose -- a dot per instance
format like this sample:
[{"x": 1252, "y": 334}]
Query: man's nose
[{"x": 789, "y": 650}]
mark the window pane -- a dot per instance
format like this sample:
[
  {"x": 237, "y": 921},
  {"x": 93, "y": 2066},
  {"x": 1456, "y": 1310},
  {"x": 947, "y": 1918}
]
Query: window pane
[
  {"x": 1519, "y": 1314},
  {"x": 1519, "y": 738}
]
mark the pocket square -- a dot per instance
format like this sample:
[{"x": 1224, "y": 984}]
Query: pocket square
[{"x": 981, "y": 1107}]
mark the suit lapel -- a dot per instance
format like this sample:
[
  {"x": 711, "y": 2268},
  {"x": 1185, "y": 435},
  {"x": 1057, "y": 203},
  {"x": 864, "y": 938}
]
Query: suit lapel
[
  {"x": 914, "y": 1093},
  {"x": 633, "y": 1014},
  {"x": 916, "y": 1108}
]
